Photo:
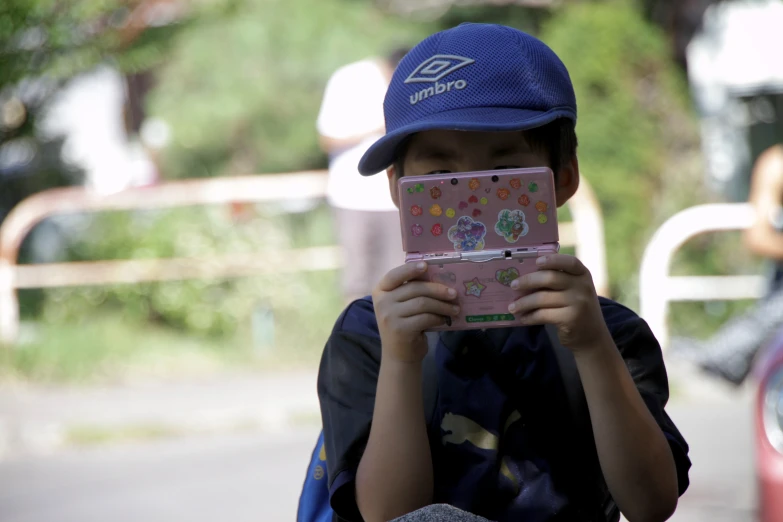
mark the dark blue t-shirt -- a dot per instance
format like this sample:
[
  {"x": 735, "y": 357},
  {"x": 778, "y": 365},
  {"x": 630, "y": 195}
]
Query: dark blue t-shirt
[{"x": 501, "y": 437}]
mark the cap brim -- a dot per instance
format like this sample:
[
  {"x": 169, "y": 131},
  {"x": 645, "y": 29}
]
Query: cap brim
[{"x": 383, "y": 152}]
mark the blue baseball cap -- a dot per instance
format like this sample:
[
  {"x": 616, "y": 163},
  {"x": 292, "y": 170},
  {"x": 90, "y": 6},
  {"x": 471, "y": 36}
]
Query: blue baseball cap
[{"x": 473, "y": 77}]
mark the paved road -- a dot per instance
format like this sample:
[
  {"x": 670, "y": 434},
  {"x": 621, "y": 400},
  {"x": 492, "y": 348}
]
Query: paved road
[
  {"x": 723, "y": 487},
  {"x": 256, "y": 477},
  {"x": 228, "y": 478}
]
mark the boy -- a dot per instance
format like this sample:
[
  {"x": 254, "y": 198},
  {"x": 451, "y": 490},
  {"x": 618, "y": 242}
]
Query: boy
[{"x": 479, "y": 97}]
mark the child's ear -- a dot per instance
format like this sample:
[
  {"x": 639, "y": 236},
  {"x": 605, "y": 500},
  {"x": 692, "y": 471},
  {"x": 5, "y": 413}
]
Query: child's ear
[
  {"x": 567, "y": 181},
  {"x": 391, "y": 172}
]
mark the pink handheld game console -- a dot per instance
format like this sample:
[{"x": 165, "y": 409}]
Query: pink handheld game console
[{"x": 478, "y": 231}]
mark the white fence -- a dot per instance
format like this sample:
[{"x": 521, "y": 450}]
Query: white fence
[
  {"x": 586, "y": 234},
  {"x": 657, "y": 288}
]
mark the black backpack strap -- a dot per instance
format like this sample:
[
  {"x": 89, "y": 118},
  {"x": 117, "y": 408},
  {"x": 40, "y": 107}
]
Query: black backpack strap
[
  {"x": 429, "y": 377},
  {"x": 577, "y": 402},
  {"x": 580, "y": 414}
]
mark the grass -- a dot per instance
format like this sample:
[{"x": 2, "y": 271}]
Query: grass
[
  {"x": 108, "y": 346},
  {"x": 85, "y": 436}
]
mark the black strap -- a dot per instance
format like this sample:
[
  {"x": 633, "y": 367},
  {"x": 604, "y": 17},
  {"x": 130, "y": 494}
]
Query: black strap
[
  {"x": 577, "y": 403},
  {"x": 429, "y": 377}
]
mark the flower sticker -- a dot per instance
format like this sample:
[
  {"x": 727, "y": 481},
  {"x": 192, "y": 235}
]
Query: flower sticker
[
  {"x": 467, "y": 234},
  {"x": 437, "y": 229},
  {"x": 542, "y": 218},
  {"x": 524, "y": 200},
  {"x": 503, "y": 193},
  {"x": 474, "y": 184},
  {"x": 533, "y": 187},
  {"x": 463, "y": 205},
  {"x": 511, "y": 225},
  {"x": 476, "y": 212},
  {"x": 484, "y": 201},
  {"x": 504, "y": 277},
  {"x": 472, "y": 200},
  {"x": 515, "y": 183},
  {"x": 416, "y": 210},
  {"x": 411, "y": 190},
  {"x": 541, "y": 206},
  {"x": 418, "y": 187},
  {"x": 435, "y": 192},
  {"x": 450, "y": 212},
  {"x": 474, "y": 287},
  {"x": 435, "y": 210},
  {"x": 417, "y": 230}
]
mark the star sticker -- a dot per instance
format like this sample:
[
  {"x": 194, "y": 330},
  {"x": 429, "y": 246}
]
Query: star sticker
[{"x": 474, "y": 287}]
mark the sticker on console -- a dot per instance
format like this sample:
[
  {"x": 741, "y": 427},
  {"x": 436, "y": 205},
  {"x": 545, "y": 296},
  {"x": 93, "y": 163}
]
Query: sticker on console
[
  {"x": 467, "y": 234},
  {"x": 474, "y": 287},
  {"x": 504, "y": 277},
  {"x": 511, "y": 225}
]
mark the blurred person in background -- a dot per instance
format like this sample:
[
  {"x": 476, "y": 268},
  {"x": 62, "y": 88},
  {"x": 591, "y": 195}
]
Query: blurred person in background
[
  {"x": 730, "y": 352},
  {"x": 349, "y": 121}
]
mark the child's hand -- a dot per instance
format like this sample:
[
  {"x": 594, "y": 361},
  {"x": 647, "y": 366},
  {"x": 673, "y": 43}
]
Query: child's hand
[
  {"x": 562, "y": 293},
  {"x": 405, "y": 308}
]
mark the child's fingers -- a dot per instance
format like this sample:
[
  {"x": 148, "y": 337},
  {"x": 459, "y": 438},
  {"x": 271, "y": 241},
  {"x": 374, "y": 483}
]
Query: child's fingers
[
  {"x": 426, "y": 305},
  {"x": 565, "y": 263},
  {"x": 414, "y": 289},
  {"x": 399, "y": 275},
  {"x": 537, "y": 301},
  {"x": 542, "y": 279}
]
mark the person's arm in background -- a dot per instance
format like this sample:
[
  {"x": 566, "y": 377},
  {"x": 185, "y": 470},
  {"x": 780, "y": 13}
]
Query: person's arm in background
[
  {"x": 352, "y": 106},
  {"x": 766, "y": 194}
]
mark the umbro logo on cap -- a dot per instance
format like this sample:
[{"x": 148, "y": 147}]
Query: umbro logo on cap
[{"x": 436, "y": 68}]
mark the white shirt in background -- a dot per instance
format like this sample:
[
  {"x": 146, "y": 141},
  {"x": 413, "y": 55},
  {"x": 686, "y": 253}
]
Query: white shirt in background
[{"x": 353, "y": 105}]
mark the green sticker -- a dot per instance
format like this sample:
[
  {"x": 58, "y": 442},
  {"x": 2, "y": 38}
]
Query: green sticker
[
  {"x": 491, "y": 318},
  {"x": 410, "y": 190},
  {"x": 533, "y": 187},
  {"x": 419, "y": 187}
]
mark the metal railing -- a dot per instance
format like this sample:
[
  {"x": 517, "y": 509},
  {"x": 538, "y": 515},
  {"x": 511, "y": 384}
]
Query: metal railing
[
  {"x": 657, "y": 288},
  {"x": 585, "y": 233}
]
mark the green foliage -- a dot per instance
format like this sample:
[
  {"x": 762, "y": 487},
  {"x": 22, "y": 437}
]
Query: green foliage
[
  {"x": 63, "y": 39},
  {"x": 242, "y": 93},
  {"x": 202, "y": 307},
  {"x": 630, "y": 102},
  {"x": 46, "y": 43}
]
